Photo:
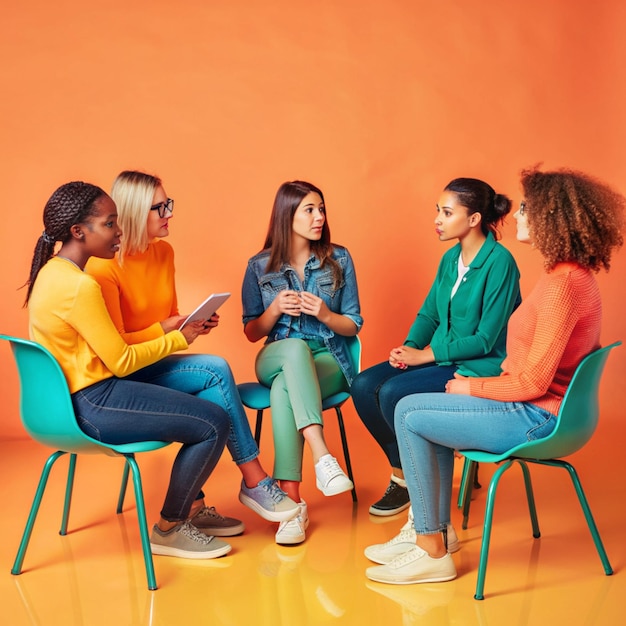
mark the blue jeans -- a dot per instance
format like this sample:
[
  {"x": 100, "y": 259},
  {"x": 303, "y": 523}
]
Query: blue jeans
[
  {"x": 117, "y": 410},
  {"x": 210, "y": 378},
  {"x": 376, "y": 391},
  {"x": 431, "y": 426}
]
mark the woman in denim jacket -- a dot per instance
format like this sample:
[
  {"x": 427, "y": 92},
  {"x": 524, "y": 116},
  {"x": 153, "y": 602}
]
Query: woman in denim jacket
[{"x": 300, "y": 292}]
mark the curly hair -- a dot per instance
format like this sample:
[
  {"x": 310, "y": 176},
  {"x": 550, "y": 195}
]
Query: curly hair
[
  {"x": 573, "y": 217},
  {"x": 70, "y": 204}
]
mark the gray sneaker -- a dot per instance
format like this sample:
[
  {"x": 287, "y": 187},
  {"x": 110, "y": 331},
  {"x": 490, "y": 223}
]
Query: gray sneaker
[
  {"x": 269, "y": 501},
  {"x": 210, "y": 522},
  {"x": 187, "y": 542}
]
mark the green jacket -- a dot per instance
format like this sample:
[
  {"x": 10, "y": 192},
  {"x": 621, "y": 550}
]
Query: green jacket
[{"x": 469, "y": 330}]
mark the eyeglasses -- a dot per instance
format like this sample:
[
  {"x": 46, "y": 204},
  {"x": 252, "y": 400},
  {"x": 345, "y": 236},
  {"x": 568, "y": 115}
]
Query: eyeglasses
[
  {"x": 522, "y": 208},
  {"x": 163, "y": 207}
]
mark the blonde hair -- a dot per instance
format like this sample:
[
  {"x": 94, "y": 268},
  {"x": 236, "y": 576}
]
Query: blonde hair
[{"x": 133, "y": 193}]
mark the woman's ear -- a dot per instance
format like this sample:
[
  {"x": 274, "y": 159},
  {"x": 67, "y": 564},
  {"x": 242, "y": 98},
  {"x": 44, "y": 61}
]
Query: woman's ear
[
  {"x": 77, "y": 232},
  {"x": 475, "y": 219}
]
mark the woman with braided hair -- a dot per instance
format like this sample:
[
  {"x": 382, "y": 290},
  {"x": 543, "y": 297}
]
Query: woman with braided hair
[{"x": 68, "y": 316}]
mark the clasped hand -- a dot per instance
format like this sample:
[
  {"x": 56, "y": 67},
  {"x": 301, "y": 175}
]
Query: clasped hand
[{"x": 295, "y": 303}]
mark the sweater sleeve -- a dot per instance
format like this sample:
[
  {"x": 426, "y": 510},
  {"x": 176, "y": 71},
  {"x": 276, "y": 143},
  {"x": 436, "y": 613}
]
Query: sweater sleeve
[
  {"x": 92, "y": 322},
  {"x": 538, "y": 337}
]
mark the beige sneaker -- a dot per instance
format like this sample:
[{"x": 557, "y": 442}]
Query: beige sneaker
[
  {"x": 384, "y": 553},
  {"x": 414, "y": 566},
  {"x": 292, "y": 531}
]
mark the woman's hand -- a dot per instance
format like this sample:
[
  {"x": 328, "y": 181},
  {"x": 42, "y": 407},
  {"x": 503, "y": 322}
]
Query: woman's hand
[
  {"x": 403, "y": 356},
  {"x": 192, "y": 330},
  {"x": 459, "y": 385},
  {"x": 210, "y": 324},
  {"x": 314, "y": 305},
  {"x": 172, "y": 323},
  {"x": 288, "y": 302}
]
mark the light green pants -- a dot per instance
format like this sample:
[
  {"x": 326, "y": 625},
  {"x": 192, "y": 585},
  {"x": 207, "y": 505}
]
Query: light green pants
[{"x": 300, "y": 373}]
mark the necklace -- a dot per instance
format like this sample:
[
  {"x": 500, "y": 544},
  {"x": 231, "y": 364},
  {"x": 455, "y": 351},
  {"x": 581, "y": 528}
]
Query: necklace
[{"x": 70, "y": 261}]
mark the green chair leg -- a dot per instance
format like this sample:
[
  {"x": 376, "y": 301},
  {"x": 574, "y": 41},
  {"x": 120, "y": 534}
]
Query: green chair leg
[
  {"x": 608, "y": 570},
  {"x": 143, "y": 525},
  {"x": 69, "y": 487},
  {"x": 124, "y": 485},
  {"x": 34, "y": 509},
  {"x": 487, "y": 524}
]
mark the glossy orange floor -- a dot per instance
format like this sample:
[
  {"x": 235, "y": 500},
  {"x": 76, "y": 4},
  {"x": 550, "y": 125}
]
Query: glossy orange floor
[{"x": 95, "y": 574}]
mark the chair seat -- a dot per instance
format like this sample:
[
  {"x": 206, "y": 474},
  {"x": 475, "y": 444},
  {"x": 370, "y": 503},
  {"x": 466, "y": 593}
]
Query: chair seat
[{"x": 254, "y": 395}]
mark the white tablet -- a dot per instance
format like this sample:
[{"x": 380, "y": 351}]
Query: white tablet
[{"x": 207, "y": 308}]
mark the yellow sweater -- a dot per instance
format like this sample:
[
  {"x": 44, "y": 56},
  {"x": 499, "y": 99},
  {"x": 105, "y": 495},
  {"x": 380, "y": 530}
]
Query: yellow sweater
[
  {"x": 67, "y": 315},
  {"x": 139, "y": 294}
]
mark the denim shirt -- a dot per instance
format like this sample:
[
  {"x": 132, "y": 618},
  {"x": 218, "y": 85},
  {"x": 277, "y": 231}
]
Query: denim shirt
[{"x": 259, "y": 290}]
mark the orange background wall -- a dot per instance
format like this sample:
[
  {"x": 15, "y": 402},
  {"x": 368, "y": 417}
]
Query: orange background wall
[{"x": 378, "y": 103}]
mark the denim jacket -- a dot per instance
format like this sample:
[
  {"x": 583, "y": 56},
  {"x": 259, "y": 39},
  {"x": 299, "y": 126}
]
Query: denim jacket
[{"x": 259, "y": 290}]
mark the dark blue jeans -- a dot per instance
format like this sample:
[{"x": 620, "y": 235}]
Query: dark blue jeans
[
  {"x": 118, "y": 411},
  {"x": 377, "y": 390}
]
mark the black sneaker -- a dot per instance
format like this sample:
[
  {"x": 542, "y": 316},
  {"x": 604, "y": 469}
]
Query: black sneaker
[{"x": 395, "y": 500}]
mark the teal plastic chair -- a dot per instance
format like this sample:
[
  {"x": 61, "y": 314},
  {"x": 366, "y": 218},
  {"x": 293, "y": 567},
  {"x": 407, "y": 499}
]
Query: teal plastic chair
[
  {"x": 48, "y": 416},
  {"x": 576, "y": 423},
  {"x": 257, "y": 396}
]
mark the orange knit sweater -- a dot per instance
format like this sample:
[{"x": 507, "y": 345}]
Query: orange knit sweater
[{"x": 553, "y": 329}]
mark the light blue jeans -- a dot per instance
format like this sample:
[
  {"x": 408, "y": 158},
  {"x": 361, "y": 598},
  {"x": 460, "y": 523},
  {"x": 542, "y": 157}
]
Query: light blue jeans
[
  {"x": 208, "y": 377},
  {"x": 431, "y": 426}
]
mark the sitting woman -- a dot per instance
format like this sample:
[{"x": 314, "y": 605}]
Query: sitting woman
[
  {"x": 140, "y": 294},
  {"x": 68, "y": 316},
  {"x": 300, "y": 293},
  {"x": 575, "y": 222},
  {"x": 461, "y": 327}
]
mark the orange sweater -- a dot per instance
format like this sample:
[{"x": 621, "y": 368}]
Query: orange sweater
[
  {"x": 553, "y": 329},
  {"x": 140, "y": 293}
]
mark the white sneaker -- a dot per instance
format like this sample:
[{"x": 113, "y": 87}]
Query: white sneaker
[
  {"x": 384, "y": 553},
  {"x": 414, "y": 566},
  {"x": 292, "y": 532},
  {"x": 452, "y": 545},
  {"x": 331, "y": 479}
]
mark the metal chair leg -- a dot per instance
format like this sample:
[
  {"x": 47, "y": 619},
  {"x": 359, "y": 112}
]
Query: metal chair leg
[{"x": 34, "y": 509}]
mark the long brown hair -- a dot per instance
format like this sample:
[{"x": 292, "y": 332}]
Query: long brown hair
[{"x": 279, "y": 233}]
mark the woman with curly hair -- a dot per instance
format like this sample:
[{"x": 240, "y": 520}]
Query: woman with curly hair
[{"x": 575, "y": 222}]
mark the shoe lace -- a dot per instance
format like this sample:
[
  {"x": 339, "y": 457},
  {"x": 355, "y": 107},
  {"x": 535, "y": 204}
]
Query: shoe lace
[
  {"x": 295, "y": 522},
  {"x": 330, "y": 467},
  {"x": 407, "y": 557},
  {"x": 406, "y": 535},
  {"x": 273, "y": 490},
  {"x": 191, "y": 532},
  {"x": 209, "y": 511}
]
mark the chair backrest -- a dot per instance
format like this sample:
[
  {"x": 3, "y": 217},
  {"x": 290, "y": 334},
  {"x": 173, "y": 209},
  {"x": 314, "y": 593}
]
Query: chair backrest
[
  {"x": 578, "y": 415},
  {"x": 354, "y": 348},
  {"x": 45, "y": 404}
]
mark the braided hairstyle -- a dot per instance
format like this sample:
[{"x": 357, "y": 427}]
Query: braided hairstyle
[
  {"x": 479, "y": 197},
  {"x": 70, "y": 204}
]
